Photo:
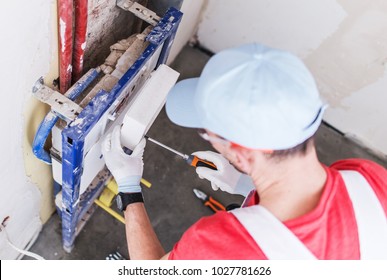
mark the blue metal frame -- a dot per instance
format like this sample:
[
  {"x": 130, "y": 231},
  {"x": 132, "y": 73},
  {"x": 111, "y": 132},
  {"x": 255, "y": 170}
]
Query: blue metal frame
[
  {"x": 73, "y": 136},
  {"x": 51, "y": 118}
]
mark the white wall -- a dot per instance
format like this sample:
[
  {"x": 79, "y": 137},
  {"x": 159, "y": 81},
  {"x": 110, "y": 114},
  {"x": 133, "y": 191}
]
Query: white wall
[
  {"x": 28, "y": 51},
  {"x": 191, "y": 10},
  {"x": 342, "y": 42}
]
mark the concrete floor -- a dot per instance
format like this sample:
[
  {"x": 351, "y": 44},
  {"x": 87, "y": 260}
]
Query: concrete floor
[{"x": 170, "y": 202}]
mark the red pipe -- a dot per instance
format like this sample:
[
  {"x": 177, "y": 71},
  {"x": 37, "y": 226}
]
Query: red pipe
[
  {"x": 80, "y": 37},
  {"x": 65, "y": 13}
]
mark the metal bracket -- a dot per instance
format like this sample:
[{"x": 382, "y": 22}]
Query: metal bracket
[
  {"x": 60, "y": 104},
  {"x": 140, "y": 11}
]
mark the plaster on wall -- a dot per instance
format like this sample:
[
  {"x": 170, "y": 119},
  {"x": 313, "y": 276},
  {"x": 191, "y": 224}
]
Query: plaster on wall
[
  {"x": 355, "y": 55},
  {"x": 291, "y": 25},
  {"x": 343, "y": 43},
  {"x": 350, "y": 70},
  {"x": 38, "y": 172},
  {"x": 191, "y": 10},
  {"x": 25, "y": 27},
  {"x": 371, "y": 130}
]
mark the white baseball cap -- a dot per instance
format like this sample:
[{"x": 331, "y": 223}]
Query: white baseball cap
[{"x": 253, "y": 95}]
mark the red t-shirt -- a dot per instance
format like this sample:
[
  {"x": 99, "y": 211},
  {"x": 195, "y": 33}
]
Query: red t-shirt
[{"x": 329, "y": 231}]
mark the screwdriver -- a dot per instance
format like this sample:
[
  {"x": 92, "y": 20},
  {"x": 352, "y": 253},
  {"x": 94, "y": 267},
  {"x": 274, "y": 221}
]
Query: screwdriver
[{"x": 191, "y": 160}]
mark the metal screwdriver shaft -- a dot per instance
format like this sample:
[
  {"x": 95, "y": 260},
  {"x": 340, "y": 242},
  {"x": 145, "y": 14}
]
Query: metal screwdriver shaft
[{"x": 191, "y": 160}]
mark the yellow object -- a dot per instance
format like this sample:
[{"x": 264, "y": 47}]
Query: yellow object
[
  {"x": 107, "y": 196},
  {"x": 112, "y": 185},
  {"x": 146, "y": 183},
  {"x": 110, "y": 211}
]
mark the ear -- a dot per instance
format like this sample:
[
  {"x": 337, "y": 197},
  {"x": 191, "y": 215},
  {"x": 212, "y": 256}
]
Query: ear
[{"x": 242, "y": 158}]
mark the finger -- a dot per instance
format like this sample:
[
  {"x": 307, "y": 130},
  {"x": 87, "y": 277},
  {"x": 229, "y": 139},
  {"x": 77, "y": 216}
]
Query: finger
[
  {"x": 203, "y": 154},
  {"x": 199, "y": 174},
  {"x": 214, "y": 187},
  {"x": 205, "y": 173},
  {"x": 106, "y": 143},
  {"x": 139, "y": 149},
  {"x": 116, "y": 138}
]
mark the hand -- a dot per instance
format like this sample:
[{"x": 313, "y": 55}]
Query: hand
[
  {"x": 226, "y": 178},
  {"x": 126, "y": 169}
]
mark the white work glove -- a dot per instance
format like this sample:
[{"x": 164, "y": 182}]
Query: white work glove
[
  {"x": 126, "y": 169},
  {"x": 227, "y": 177}
]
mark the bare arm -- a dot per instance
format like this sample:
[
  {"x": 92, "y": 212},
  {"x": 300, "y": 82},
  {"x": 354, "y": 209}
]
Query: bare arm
[
  {"x": 143, "y": 243},
  {"x": 127, "y": 170}
]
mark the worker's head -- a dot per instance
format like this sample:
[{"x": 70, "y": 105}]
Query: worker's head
[{"x": 254, "y": 96}]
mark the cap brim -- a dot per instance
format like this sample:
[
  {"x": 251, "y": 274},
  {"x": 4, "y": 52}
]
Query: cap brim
[{"x": 180, "y": 104}]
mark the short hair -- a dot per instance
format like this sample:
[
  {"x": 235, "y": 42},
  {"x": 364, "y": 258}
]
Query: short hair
[{"x": 299, "y": 150}]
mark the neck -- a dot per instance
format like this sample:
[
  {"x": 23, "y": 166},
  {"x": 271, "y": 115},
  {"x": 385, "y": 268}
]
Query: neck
[{"x": 292, "y": 187}]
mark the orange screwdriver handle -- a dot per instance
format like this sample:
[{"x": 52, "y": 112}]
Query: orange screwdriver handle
[{"x": 198, "y": 162}]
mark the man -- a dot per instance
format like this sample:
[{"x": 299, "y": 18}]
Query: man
[{"x": 259, "y": 107}]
